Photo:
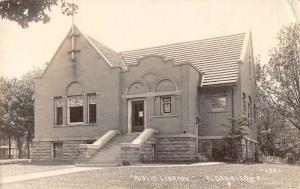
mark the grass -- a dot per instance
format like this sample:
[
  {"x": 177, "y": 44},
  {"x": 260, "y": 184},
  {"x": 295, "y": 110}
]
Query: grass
[
  {"x": 208, "y": 176},
  {"x": 26, "y": 168}
]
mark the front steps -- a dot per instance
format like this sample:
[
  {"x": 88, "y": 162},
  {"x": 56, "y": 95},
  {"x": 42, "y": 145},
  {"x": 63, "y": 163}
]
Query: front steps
[{"x": 109, "y": 154}]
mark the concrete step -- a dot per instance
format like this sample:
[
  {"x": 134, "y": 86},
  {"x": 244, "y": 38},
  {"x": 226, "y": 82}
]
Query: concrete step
[{"x": 109, "y": 154}]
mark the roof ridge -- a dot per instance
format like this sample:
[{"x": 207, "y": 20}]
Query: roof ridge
[{"x": 180, "y": 43}]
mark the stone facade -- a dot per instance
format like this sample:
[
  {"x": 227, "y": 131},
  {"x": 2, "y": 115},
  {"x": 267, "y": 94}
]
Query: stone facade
[
  {"x": 176, "y": 148},
  {"x": 145, "y": 153},
  {"x": 41, "y": 151},
  {"x": 71, "y": 150},
  {"x": 245, "y": 149}
]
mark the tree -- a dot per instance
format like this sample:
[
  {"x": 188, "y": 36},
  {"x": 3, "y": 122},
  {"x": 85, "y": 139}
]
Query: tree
[
  {"x": 235, "y": 134},
  {"x": 8, "y": 104},
  {"x": 17, "y": 108},
  {"x": 26, "y": 11},
  {"x": 276, "y": 135},
  {"x": 25, "y": 110},
  {"x": 280, "y": 78}
]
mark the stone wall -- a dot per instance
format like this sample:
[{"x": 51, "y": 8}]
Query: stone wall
[
  {"x": 145, "y": 153},
  {"x": 176, "y": 148},
  {"x": 41, "y": 151},
  {"x": 205, "y": 148},
  {"x": 71, "y": 150},
  {"x": 245, "y": 149}
]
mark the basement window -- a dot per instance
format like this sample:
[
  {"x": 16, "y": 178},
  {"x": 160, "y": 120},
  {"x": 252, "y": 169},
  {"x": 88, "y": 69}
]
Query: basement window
[
  {"x": 57, "y": 150},
  {"x": 89, "y": 141},
  {"x": 75, "y": 110}
]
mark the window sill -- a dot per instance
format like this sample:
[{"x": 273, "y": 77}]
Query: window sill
[
  {"x": 168, "y": 115},
  {"x": 75, "y": 125}
]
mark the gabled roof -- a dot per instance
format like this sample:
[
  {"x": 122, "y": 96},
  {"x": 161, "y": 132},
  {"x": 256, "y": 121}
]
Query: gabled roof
[
  {"x": 113, "y": 58},
  {"x": 217, "y": 57}
]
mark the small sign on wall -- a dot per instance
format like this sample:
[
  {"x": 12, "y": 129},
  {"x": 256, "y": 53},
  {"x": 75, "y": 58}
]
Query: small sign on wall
[{"x": 141, "y": 114}]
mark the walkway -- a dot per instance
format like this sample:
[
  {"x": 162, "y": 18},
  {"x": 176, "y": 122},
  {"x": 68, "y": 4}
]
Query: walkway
[{"x": 31, "y": 176}]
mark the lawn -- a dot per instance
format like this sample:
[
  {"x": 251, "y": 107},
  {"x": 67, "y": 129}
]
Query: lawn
[
  {"x": 182, "y": 177},
  {"x": 26, "y": 168}
]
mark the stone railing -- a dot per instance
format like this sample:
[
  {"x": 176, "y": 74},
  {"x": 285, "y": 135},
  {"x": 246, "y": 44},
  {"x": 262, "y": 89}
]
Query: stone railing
[
  {"x": 141, "y": 149},
  {"x": 88, "y": 150}
]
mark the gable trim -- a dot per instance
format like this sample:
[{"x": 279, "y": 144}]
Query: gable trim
[
  {"x": 101, "y": 54},
  {"x": 245, "y": 45},
  {"x": 55, "y": 53}
]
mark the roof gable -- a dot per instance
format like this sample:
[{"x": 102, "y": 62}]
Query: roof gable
[{"x": 111, "y": 57}]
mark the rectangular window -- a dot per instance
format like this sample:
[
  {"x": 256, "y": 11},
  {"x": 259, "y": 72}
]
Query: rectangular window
[
  {"x": 166, "y": 104},
  {"x": 254, "y": 111},
  {"x": 244, "y": 103},
  {"x": 58, "y": 111},
  {"x": 75, "y": 109},
  {"x": 57, "y": 150},
  {"x": 92, "y": 112},
  {"x": 218, "y": 103},
  {"x": 249, "y": 110}
]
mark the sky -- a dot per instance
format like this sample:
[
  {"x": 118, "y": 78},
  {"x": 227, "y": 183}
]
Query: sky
[{"x": 131, "y": 24}]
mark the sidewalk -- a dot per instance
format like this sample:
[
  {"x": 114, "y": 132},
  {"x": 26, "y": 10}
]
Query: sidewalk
[
  {"x": 11, "y": 161},
  {"x": 31, "y": 176}
]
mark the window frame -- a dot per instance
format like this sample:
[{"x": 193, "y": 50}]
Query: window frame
[
  {"x": 69, "y": 112},
  {"x": 249, "y": 107},
  {"x": 88, "y": 107},
  {"x": 163, "y": 104},
  {"x": 212, "y": 109},
  {"x": 54, "y": 150},
  {"x": 56, "y": 112}
]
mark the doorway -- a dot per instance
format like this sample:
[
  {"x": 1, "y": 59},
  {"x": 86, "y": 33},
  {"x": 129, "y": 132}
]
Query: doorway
[{"x": 137, "y": 116}]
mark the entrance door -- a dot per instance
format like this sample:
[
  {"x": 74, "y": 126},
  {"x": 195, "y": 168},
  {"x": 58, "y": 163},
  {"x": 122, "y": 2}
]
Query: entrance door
[{"x": 138, "y": 116}]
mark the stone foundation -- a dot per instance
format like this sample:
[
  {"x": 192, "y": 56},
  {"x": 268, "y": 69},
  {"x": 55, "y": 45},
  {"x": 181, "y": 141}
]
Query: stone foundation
[
  {"x": 145, "y": 153},
  {"x": 177, "y": 148},
  {"x": 71, "y": 150},
  {"x": 42, "y": 151},
  {"x": 245, "y": 148}
]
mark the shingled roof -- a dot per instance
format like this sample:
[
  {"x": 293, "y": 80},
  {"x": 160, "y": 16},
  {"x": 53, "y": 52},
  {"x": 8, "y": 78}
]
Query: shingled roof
[
  {"x": 217, "y": 57},
  {"x": 112, "y": 57}
]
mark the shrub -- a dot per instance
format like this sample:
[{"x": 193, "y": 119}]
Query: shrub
[{"x": 290, "y": 158}]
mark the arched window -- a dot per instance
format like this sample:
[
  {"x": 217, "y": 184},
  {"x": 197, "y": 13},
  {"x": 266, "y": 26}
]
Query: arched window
[
  {"x": 74, "y": 89},
  {"x": 136, "y": 88},
  {"x": 74, "y": 103},
  {"x": 165, "y": 85}
]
